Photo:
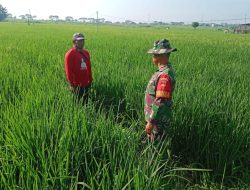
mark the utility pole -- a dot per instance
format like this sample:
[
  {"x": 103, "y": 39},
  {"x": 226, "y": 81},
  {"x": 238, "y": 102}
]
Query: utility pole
[
  {"x": 246, "y": 23},
  {"x": 97, "y": 20},
  {"x": 29, "y": 17},
  {"x": 149, "y": 18}
]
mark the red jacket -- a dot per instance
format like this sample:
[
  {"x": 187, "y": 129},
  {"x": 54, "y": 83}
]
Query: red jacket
[{"x": 78, "y": 68}]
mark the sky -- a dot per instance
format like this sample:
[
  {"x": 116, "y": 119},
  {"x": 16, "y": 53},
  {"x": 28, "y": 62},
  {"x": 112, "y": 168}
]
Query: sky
[{"x": 136, "y": 10}]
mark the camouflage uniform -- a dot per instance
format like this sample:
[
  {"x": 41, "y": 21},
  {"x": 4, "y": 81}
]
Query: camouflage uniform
[
  {"x": 158, "y": 95},
  {"x": 158, "y": 98}
]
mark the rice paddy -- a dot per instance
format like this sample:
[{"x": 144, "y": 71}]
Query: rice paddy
[{"x": 49, "y": 142}]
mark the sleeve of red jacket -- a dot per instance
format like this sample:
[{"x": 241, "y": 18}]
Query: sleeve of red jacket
[
  {"x": 163, "y": 94},
  {"x": 69, "y": 67},
  {"x": 90, "y": 68}
]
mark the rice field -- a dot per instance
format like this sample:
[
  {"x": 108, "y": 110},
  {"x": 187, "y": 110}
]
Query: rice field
[{"x": 49, "y": 142}]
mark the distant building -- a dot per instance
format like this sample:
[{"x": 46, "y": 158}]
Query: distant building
[
  {"x": 108, "y": 22},
  {"x": 242, "y": 29},
  {"x": 82, "y": 19},
  {"x": 129, "y": 22},
  {"x": 213, "y": 25},
  {"x": 177, "y": 23}
]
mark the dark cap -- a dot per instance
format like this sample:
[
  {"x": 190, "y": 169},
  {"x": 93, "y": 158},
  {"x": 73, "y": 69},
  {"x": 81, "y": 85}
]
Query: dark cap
[{"x": 78, "y": 36}]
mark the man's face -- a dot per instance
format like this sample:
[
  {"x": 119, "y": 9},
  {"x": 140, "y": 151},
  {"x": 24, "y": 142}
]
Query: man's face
[
  {"x": 158, "y": 58},
  {"x": 79, "y": 44},
  {"x": 155, "y": 58}
]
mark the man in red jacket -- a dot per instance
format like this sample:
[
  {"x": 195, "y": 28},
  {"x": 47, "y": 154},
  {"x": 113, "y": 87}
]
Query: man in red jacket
[{"x": 78, "y": 68}]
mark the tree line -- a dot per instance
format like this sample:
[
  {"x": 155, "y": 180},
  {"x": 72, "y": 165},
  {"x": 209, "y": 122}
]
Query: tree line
[{"x": 3, "y": 13}]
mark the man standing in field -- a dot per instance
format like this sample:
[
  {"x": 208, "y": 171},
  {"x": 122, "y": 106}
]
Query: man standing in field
[
  {"x": 158, "y": 95},
  {"x": 78, "y": 68}
]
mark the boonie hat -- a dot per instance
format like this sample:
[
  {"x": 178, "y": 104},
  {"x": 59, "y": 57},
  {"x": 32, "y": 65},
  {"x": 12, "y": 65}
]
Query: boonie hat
[
  {"x": 161, "y": 47},
  {"x": 78, "y": 36}
]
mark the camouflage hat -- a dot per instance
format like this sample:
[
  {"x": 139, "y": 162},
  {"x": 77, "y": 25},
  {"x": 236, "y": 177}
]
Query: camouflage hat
[
  {"x": 162, "y": 47},
  {"x": 78, "y": 36}
]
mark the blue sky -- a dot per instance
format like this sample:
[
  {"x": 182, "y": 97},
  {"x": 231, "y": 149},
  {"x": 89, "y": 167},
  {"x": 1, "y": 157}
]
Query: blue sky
[{"x": 136, "y": 10}]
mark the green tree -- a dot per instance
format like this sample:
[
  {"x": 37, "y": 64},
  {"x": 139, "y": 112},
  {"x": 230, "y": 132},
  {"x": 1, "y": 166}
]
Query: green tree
[
  {"x": 195, "y": 24},
  {"x": 3, "y": 13},
  {"x": 22, "y": 17}
]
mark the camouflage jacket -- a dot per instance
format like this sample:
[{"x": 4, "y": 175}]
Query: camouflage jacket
[{"x": 158, "y": 95}]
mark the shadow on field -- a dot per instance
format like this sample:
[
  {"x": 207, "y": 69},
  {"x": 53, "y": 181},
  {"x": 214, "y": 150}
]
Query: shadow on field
[{"x": 110, "y": 97}]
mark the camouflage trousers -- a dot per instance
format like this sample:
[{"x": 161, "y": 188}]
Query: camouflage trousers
[{"x": 159, "y": 131}]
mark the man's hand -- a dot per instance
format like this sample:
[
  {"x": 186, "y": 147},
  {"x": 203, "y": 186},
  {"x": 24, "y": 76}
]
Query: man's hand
[
  {"x": 71, "y": 88},
  {"x": 149, "y": 127}
]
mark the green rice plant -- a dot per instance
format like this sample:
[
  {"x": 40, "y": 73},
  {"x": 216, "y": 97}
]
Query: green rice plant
[{"x": 50, "y": 142}]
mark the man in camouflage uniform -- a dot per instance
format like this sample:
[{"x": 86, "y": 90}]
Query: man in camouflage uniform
[{"x": 158, "y": 95}]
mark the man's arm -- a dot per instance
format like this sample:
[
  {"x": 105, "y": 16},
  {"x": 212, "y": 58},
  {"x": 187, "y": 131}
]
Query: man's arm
[
  {"x": 163, "y": 94},
  {"x": 69, "y": 67}
]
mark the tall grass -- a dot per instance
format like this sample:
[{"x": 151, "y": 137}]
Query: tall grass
[{"x": 49, "y": 142}]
